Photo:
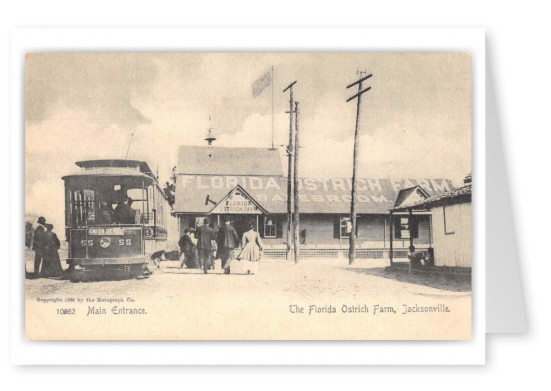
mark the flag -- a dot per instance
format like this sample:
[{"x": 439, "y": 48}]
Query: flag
[{"x": 262, "y": 83}]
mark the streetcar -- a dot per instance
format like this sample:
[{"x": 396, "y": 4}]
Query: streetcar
[{"x": 115, "y": 215}]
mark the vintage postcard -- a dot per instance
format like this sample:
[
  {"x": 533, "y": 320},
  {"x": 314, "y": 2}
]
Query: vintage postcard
[{"x": 248, "y": 196}]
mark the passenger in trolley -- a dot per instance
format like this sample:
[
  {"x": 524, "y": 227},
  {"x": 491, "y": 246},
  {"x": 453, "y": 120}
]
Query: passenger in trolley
[
  {"x": 105, "y": 214},
  {"x": 124, "y": 214}
]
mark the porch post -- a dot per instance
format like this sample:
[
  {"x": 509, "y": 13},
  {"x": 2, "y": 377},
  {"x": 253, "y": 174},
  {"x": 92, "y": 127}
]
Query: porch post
[
  {"x": 391, "y": 232},
  {"x": 410, "y": 230},
  {"x": 411, "y": 248},
  {"x": 430, "y": 230}
]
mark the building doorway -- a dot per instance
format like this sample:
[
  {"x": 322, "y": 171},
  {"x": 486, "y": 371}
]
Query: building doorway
[{"x": 240, "y": 222}]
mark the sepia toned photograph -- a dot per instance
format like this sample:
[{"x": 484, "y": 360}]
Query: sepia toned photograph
[{"x": 248, "y": 196}]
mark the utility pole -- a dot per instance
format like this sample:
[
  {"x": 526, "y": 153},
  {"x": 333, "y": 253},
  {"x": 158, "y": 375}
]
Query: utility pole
[
  {"x": 290, "y": 171},
  {"x": 296, "y": 241},
  {"x": 352, "y": 248}
]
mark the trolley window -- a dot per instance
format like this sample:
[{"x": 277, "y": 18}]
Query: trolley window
[{"x": 82, "y": 206}]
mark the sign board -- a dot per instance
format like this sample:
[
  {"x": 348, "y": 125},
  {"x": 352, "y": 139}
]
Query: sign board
[
  {"x": 106, "y": 231},
  {"x": 237, "y": 202}
]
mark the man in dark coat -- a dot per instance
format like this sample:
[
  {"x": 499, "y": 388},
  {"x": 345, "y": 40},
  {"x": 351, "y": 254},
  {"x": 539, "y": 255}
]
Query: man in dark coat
[
  {"x": 227, "y": 242},
  {"x": 205, "y": 239},
  {"x": 39, "y": 243}
]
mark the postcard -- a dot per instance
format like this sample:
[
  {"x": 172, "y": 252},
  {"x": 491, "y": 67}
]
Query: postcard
[{"x": 248, "y": 196}]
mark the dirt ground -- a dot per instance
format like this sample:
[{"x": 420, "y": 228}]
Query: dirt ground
[
  {"x": 309, "y": 278},
  {"x": 239, "y": 299}
]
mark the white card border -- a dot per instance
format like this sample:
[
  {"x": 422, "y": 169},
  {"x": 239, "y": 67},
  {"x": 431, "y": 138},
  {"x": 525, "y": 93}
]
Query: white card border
[{"x": 25, "y": 352}]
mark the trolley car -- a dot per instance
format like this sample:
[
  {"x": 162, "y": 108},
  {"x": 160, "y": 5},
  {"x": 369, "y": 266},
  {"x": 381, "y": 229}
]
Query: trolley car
[{"x": 115, "y": 214}]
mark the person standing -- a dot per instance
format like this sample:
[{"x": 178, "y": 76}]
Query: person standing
[
  {"x": 227, "y": 242},
  {"x": 188, "y": 249},
  {"x": 252, "y": 246},
  {"x": 28, "y": 234},
  {"x": 51, "y": 266},
  {"x": 205, "y": 244},
  {"x": 38, "y": 245}
]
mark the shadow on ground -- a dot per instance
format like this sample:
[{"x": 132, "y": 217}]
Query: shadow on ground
[{"x": 453, "y": 282}]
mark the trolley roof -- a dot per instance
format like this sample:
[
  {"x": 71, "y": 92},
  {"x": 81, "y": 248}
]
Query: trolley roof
[
  {"x": 120, "y": 163},
  {"x": 130, "y": 169}
]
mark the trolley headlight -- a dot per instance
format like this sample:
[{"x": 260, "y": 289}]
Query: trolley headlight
[{"x": 105, "y": 242}]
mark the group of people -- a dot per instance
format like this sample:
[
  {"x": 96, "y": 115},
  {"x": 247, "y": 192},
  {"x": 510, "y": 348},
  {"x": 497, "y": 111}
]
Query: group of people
[
  {"x": 122, "y": 214},
  {"x": 200, "y": 247},
  {"x": 46, "y": 245}
]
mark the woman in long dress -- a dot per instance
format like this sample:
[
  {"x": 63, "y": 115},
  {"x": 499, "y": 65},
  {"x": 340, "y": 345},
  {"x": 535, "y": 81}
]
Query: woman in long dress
[
  {"x": 52, "y": 264},
  {"x": 252, "y": 246}
]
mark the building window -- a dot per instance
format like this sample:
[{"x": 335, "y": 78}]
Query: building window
[
  {"x": 270, "y": 227},
  {"x": 450, "y": 220},
  {"x": 345, "y": 227},
  {"x": 404, "y": 227}
]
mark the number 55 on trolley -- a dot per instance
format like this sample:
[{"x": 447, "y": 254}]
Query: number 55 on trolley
[{"x": 115, "y": 215}]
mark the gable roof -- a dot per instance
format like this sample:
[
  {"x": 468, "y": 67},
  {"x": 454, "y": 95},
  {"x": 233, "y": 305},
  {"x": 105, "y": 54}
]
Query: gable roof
[
  {"x": 228, "y": 161},
  {"x": 410, "y": 195},
  {"x": 457, "y": 196},
  {"x": 238, "y": 191}
]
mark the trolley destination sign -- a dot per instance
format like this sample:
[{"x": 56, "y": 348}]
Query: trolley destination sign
[{"x": 117, "y": 231}]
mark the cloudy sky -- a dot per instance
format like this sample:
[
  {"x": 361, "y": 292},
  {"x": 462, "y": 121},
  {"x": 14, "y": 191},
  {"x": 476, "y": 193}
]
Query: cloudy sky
[{"x": 415, "y": 122}]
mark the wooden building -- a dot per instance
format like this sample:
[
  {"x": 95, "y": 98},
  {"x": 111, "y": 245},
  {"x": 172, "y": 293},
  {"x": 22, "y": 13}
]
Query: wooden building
[
  {"x": 451, "y": 223},
  {"x": 248, "y": 184}
]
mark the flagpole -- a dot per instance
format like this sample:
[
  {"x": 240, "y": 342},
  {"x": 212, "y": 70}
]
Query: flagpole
[{"x": 273, "y": 107}]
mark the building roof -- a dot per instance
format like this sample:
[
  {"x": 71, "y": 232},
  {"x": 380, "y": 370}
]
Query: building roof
[
  {"x": 324, "y": 196},
  {"x": 457, "y": 196},
  {"x": 410, "y": 195},
  {"x": 228, "y": 161}
]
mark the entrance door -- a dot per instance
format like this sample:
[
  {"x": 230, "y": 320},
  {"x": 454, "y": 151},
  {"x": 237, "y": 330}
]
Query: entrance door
[{"x": 240, "y": 222}]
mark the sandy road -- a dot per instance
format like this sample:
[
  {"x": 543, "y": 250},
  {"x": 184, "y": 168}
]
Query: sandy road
[
  {"x": 186, "y": 304},
  {"x": 310, "y": 278}
]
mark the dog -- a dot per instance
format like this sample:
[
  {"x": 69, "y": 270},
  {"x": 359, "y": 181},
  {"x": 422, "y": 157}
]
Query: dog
[{"x": 164, "y": 255}]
